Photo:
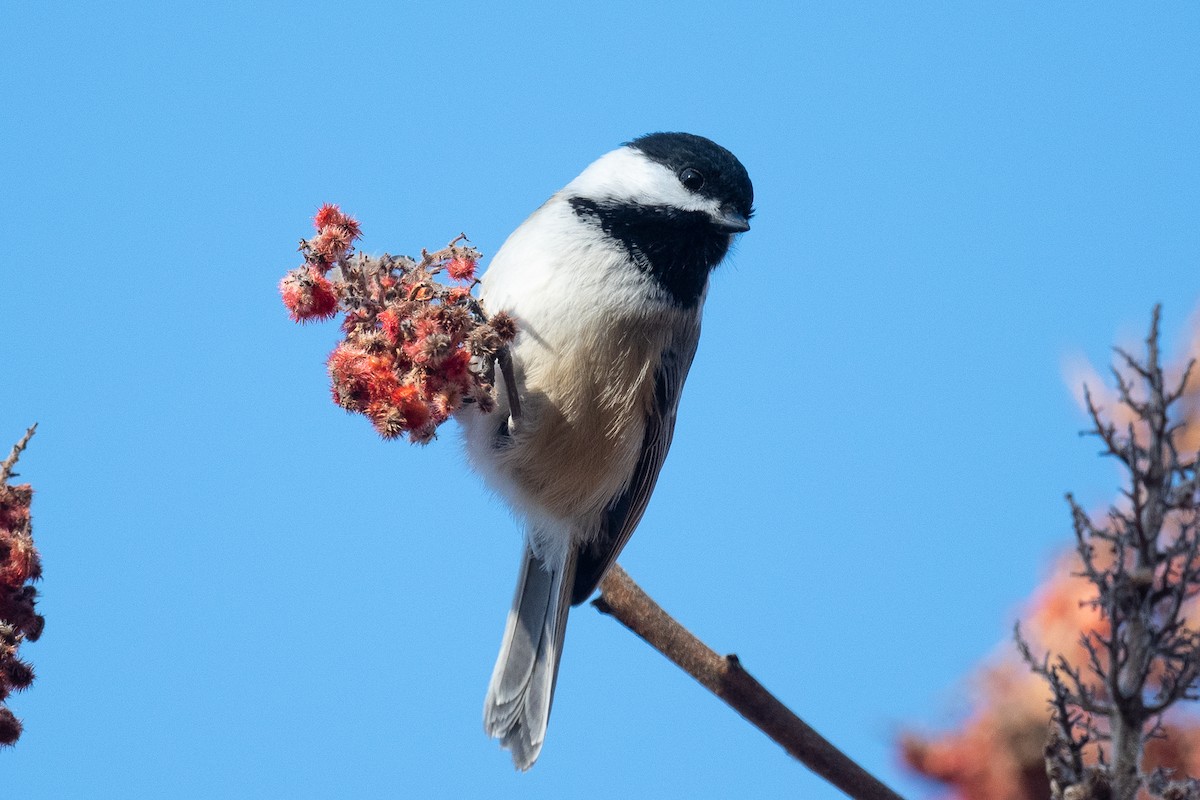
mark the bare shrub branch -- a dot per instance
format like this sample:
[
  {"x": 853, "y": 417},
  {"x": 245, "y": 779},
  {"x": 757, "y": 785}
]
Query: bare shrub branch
[{"x": 1143, "y": 563}]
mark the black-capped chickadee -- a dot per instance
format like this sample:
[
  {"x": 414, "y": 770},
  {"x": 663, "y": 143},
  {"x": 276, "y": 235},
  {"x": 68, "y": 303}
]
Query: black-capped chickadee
[{"x": 606, "y": 282}]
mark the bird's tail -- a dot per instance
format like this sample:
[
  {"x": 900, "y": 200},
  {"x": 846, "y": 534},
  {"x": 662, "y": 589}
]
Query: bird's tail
[{"x": 517, "y": 707}]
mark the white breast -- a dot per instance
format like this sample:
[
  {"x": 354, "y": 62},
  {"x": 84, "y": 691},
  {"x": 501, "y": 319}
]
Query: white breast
[{"x": 592, "y": 331}]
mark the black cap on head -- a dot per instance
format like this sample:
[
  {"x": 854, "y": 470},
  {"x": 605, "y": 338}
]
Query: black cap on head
[{"x": 725, "y": 179}]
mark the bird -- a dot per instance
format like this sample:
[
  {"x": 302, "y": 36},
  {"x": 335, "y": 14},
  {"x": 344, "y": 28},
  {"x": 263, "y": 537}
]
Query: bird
[{"x": 605, "y": 282}]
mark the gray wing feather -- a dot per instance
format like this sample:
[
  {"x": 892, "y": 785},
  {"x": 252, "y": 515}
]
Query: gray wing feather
[{"x": 626, "y": 509}]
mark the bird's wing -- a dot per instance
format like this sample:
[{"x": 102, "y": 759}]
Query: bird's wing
[{"x": 625, "y": 510}]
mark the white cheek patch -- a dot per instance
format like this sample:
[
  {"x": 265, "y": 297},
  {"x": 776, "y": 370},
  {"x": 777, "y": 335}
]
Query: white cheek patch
[{"x": 627, "y": 176}]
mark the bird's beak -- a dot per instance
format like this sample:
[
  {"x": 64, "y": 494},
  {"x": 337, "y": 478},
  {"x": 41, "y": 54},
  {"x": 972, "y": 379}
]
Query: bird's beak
[{"x": 730, "y": 221}]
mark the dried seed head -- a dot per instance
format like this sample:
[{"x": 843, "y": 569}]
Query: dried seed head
[
  {"x": 10, "y": 727},
  {"x": 415, "y": 348},
  {"x": 461, "y": 269},
  {"x": 504, "y": 326}
]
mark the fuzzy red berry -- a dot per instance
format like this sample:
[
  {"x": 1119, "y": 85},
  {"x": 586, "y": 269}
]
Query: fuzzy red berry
[
  {"x": 308, "y": 295},
  {"x": 461, "y": 269}
]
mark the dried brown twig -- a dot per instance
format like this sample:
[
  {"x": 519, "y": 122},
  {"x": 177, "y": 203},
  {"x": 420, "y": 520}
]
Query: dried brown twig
[
  {"x": 1143, "y": 562},
  {"x": 6, "y": 466},
  {"x": 725, "y": 677}
]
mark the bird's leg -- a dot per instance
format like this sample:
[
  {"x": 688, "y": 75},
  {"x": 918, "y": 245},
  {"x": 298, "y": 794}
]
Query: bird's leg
[{"x": 504, "y": 359}]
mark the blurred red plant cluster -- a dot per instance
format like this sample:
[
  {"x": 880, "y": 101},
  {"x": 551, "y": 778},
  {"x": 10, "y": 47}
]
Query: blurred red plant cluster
[
  {"x": 998, "y": 751},
  {"x": 415, "y": 350},
  {"x": 19, "y": 565}
]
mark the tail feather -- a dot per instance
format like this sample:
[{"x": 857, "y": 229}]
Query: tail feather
[{"x": 517, "y": 708}]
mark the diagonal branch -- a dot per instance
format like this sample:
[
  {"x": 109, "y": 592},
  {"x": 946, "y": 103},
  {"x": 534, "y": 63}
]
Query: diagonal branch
[{"x": 725, "y": 677}]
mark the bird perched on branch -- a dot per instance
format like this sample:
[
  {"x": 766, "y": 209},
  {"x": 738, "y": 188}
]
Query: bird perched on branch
[{"x": 606, "y": 282}]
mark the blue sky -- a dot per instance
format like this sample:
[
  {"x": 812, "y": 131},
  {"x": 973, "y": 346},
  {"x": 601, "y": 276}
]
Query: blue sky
[{"x": 249, "y": 595}]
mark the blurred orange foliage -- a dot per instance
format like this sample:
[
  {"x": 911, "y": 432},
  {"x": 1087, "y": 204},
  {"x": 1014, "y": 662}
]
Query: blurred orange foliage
[{"x": 997, "y": 753}]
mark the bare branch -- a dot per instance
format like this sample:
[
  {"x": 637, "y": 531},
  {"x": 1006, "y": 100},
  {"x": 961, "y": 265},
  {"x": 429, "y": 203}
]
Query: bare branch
[
  {"x": 1144, "y": 563},
  {"x": 6, "y": 466},
  {"x": 726, "y": 678}
]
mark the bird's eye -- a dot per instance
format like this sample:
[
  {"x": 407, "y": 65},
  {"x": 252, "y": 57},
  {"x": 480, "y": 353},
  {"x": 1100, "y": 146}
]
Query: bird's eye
[{"x": 691, "y": 179}]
